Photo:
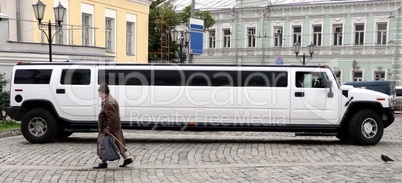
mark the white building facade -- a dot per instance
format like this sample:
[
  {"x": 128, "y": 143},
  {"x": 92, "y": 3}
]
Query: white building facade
[{"x": 359, "y": 39}]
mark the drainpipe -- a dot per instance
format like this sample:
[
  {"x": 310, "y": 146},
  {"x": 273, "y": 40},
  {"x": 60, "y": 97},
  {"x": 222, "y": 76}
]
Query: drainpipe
[
  {"x": 18, "y": 10},
  {"x": 264, "y": 35},
  {"x": 396, "y": 43}
]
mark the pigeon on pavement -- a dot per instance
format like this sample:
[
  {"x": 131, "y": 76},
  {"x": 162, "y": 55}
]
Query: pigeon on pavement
[{"x": 385, "y": 158}]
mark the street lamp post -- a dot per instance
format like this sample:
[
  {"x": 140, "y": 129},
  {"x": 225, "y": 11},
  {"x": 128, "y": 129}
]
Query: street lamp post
[
  {"x": 310, "y": 51},
  {"x": 181, "y": 37},
  {"x": 39, "y": 11}
]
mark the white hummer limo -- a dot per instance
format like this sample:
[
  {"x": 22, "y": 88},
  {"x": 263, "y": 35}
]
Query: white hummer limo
[{"x": 58, "y": 99}]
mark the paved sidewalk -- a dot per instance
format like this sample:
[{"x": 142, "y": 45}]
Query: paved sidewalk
[{"x": 174, "y": 156}]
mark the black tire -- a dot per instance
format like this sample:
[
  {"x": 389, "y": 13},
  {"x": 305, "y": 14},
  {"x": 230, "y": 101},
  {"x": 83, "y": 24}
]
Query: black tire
[
  {"x": 366, "y": 127},
  {"x": 61, "y": 134},
  {"x": 343, "y": 135},
  {"x": 38, "y": 126}
]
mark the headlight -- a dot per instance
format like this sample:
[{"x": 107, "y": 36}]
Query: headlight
[{"x": 391, "y": 102}]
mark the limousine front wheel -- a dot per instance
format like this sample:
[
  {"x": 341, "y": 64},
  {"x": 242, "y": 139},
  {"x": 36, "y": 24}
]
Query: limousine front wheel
[
  {"x": 38, "y": 126},
  {"x": 366, "y": 127}
]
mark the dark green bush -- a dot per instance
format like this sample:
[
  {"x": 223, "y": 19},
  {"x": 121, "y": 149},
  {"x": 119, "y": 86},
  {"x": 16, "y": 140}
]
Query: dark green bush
[{"x": 4, "y": 97}]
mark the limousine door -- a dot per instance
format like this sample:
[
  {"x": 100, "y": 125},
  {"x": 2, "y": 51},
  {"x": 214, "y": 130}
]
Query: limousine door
[
  {"x": 312, "y": 102},
  {"x": 74, "y": 91}
]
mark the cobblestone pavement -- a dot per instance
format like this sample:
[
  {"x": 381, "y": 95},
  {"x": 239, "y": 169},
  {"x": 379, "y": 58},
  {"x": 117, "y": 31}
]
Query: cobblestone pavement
[{"x": 166, "y": 156}]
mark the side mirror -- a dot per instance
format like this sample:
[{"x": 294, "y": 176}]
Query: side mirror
[
  {"x": 329, "y": 84},
  {"x": 330, "y": 93}
]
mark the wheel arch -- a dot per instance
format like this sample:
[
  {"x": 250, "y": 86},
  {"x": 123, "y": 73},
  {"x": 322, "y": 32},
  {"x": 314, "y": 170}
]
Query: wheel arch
[
  {"x": 34, "y": 104},
  {"x": 357, "y": 106}
]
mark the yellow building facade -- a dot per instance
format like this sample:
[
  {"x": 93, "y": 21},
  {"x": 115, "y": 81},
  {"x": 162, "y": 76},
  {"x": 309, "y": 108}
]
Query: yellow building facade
[{"x": 120, "y": 26}]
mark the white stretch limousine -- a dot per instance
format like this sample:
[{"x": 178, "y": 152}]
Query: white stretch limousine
[{"x": 57, "y": 99}]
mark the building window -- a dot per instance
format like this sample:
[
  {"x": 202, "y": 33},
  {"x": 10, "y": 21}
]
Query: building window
[
  {"x": 359, "y": 34},
  {"x": 86, "y": 29},
  {"x": 130, "y": 38},
  {"x": 212, "y": 39},
  {"x": 226, "y": 38},
  {"x": 109, "y": 34},
  {"x": 251, "y": 37},
  {"x": 358, "y": 76},
  {"x": 337, "y": 35},
  {"x": 297, "y": 34},
  {"x": 317, "y": 35},
  {"x": 379, "y": 75},
  {"x": 60, "y": 35},
  {"x": 382, "y": 33},
  {"x": 278, "y": 36}
]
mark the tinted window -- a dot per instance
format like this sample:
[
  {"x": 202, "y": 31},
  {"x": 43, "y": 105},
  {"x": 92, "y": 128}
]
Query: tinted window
[
  {"x": 193, "y": 78},
  {"x": 32, "y": 76},
  {"x": 264, "y": 79},
  {"x": 75, "y": 77},
  {"x": 168, "y": 78},
  {"x": 311, "y": 79},
  {"x": 124, "y": 77},
  {"x": 398, "y": 92}
]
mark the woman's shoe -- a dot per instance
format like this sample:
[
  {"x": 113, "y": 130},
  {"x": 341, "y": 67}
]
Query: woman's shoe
[
  {"x": 126, "y": 162},
  {"x": 100, "y": 166}
]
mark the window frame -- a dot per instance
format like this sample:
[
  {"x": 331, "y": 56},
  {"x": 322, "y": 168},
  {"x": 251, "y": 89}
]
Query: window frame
[
  {"x": 278, "y": 36},
  {"x": 338, "y": 36},
  {"x": 130, "y": 38},
  {"x": 297, "y": 36},
  {"x": 226, "y": 38},
  {"x": 317, "y": 36},
  {"x": 251, "y": 37},
  {"x": 109, "y": 34},
  {"x": 212, "y": 38},
  {"x": 359, "y": 35},
  {"x": 86, "y": 29},
  {"x": 381, "y": 34}
]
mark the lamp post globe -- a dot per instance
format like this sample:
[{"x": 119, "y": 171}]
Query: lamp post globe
[
  {"x": 296, "y": 47},
  {"x": 311, "y": 48},
  {"x": 39, "y": 10},
  {"x": 174, "y": 34},
  {"x": 59, "y": 12}
]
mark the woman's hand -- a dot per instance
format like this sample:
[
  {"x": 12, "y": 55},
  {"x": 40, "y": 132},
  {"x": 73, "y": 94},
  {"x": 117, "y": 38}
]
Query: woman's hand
[{"x": 107, "y": 131}]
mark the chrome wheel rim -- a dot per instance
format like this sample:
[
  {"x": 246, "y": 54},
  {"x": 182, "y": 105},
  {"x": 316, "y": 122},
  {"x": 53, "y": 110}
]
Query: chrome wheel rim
[
  {"x": 369, "y": 128},
  {"x": 37, "y": 126}
]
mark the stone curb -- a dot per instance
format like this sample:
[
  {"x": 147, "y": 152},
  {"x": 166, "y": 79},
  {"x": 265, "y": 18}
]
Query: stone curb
[{"x": 9, "y": 133}]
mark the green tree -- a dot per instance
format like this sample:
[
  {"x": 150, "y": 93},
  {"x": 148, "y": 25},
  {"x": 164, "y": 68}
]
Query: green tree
[
  {"x": 4, "y": 97},
  {"x": 203, "y": 15},
  {"x": 162, "y": 18}
]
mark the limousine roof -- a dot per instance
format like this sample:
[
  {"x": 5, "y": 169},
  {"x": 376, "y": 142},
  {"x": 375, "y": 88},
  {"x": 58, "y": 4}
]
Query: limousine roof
[{"x": 164, "y": 64}]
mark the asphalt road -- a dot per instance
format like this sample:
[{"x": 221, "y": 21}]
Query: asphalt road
[{"x": 174, "y": 156}]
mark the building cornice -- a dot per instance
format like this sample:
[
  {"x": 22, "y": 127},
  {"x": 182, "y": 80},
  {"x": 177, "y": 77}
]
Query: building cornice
[
  {"x": 348, "y": 4},
  {"x": 143, "y": 2}
]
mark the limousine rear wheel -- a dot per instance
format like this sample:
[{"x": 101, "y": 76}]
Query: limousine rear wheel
[
  {"x": 366, "y": 127},
  {"x": 38, "y": 126}
]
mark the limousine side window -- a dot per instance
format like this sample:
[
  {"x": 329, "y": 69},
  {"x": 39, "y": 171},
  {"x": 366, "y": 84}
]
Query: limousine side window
[
  {"x": 311, "y": 79},
  {"x": 124, "y": 77},
  {"x": 194, "y": 78},
  {"x": 75, "y": 77},
  {"x": 32, "y": 76}
]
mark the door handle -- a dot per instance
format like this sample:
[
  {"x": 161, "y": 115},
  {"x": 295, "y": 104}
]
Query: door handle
[
  {"x": 60, "y": 91},
  {"x": 299, "y": 94}
]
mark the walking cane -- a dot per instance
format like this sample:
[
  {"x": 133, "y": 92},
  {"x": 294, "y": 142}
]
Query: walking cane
[{"x": 122, "y": 145}]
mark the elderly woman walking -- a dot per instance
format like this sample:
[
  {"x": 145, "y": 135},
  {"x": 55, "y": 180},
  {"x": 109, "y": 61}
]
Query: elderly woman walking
[{"x": 109, "y": 123}]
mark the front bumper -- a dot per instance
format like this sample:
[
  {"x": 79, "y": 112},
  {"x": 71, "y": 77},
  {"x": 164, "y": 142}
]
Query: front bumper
[
  {"x": 13, "y": 112},
  {"x": 390, "y": 116}
]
